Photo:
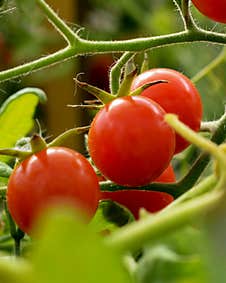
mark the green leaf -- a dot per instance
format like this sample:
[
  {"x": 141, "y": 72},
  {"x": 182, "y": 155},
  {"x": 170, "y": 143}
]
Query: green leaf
[
  {"x": 16, "y": 115},
  {"x": 110, "y": 216},
  {"x": 69, "y": 251},
  {"x": 15, "y": 271},
  {"x": 177, "y": 259}
]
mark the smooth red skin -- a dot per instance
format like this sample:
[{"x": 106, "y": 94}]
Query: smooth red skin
[
  {"x": 56, "y": 174},
  {"x": 178, "y": 96},
  {"x": 168, "y": 176},
  {"x": 213, "y": 9},
  {"x": 129, "y": 141}
]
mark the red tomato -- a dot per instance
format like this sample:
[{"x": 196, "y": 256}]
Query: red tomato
[
  {"x": 213, "y": 9},
  {"x": 167, "y": 176},
  {"x": 150, "y": 200},
  {"x": 129, "y": 141},
  {"x": 52, "y": 175},
  {"x": 178, "y": 96}
]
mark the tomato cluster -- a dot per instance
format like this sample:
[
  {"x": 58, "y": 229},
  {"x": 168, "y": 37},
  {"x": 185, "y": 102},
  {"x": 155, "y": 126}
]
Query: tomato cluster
[{"x": 129, "y": 142}]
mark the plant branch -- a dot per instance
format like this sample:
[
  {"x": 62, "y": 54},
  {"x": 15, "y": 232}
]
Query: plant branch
[
  {"x": 116, "y": 70},
  {"x": 151, "y": 228},
  {"x": 57, "y": 22},
  {"x": 188, "y": 20},
  {"x": 83, "y": 47}
]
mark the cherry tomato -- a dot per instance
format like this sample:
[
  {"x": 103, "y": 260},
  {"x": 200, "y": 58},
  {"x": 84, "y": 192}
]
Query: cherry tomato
[
  {"x": 55, "y": 174},
  {"x": 168, "y": 176},
  {"x": 213, "y": 9},
  {"x": 178, "y": 96},
  {"x": 150, "y": 200},
  {"x": 129, "y": 141}
]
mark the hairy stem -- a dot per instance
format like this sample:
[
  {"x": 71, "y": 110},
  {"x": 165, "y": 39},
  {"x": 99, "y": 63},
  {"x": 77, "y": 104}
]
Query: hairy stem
[
  {"x": 83, "y": 47},
  {"x": 57, "y": 22},
  {"x": 116, "y": 70}
]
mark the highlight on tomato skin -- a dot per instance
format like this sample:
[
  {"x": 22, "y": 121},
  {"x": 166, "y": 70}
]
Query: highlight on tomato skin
[
  {"x": 56, "y": 175},
  {"x": 129, "y": 141},
  {"x": 213, "y": 9},
  {"x": 178, "y": 96},
  {"x": 152, "y": 201}
]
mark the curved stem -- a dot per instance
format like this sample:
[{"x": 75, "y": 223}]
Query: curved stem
[
  {"x": 83, "y": 47},
  {"x": 149, "y": 229},
  {"x": 58, "y": 23}
]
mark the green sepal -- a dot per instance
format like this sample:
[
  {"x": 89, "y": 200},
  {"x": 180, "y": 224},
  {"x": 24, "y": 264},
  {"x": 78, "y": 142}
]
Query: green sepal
[
  {"x": 100, "y": 94},
  {"x": 125, "y": 86},
  {"x": 139, "y": 90},
  {"x": 60, "y": 140}
]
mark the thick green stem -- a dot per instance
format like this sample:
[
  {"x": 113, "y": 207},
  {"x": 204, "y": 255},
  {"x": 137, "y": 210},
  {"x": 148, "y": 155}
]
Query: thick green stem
[
  {"x": 188, "y": 20},
  {"x": 149, "y": 229},
  {"x": 116, "y": 70},
  {"x": 83, "y": 47}
]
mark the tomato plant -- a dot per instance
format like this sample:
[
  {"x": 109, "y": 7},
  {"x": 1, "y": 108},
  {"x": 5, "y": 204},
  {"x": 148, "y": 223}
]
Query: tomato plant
[
  {"x": 213, "y": 9},
  {"x": 129, "y": 141},
  {"x": 152, "y": 201},
  {"x": 178, "y": 96},
  {"x": 54, "y": 174}
]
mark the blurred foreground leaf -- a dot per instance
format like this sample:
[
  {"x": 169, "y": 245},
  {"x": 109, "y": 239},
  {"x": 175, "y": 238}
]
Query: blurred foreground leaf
[
  {"x": 69, "y": 251},
  {"x": 175, "y": 260}
]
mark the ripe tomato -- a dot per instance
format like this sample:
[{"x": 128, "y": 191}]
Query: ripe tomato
[
  {"x": 213, "y": 9},
  {"x": 129, "y": 141},
  {"x": 168, "y": 176},
  {"x": 152, "y": 201},
  {"x": 52, "y": 175},
  {"x": 178, "y": 96}
]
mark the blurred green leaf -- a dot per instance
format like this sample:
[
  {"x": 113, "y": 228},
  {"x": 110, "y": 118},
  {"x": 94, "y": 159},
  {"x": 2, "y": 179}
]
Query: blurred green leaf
[
  {"x": 15, "y": 271},
  {"x": 16, "y": 115},
  {"x": 175, "y": 260},
  {"x": 69, "y": 251}
]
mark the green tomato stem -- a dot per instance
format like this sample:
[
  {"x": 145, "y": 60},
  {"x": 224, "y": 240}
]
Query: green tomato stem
[
  {"x": 151, "y": 228},
  {"x": 194, "y": 138},
  {"x": 58, "y": 23},
  {"x": 187, "y": 17},
  {"x": 116, "y": 71},
  {"x": 83, "y": 47},
  {"x": 60, "y": 140}
]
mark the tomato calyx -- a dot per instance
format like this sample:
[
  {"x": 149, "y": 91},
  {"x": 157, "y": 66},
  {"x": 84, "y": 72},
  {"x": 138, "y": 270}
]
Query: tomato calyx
[{"x": 104, "y": 97}]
